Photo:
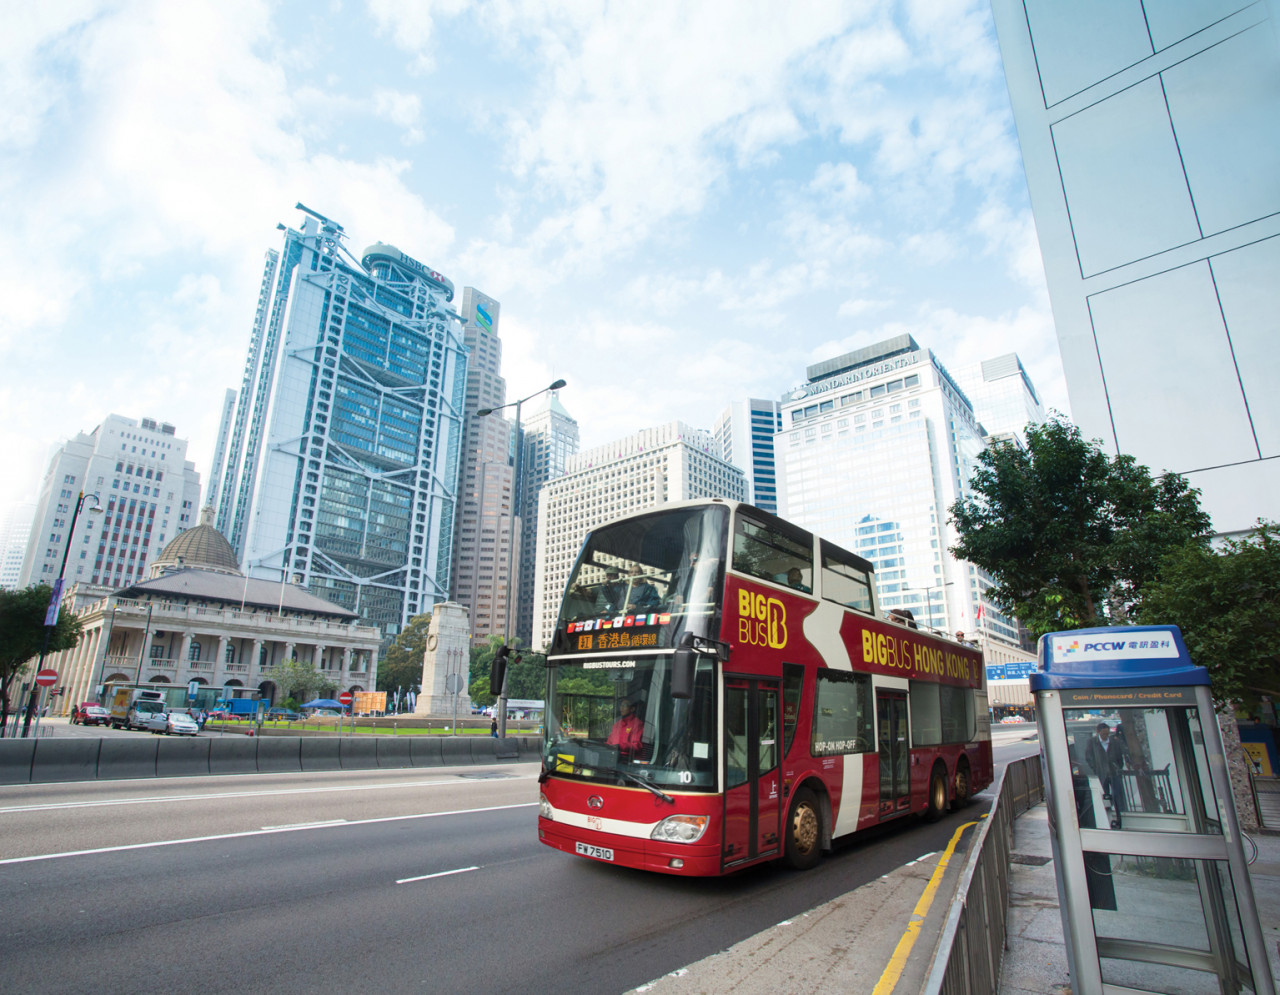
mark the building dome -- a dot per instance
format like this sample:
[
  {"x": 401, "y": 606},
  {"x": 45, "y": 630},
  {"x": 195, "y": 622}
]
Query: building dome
[{"x": 200, "y": 548}]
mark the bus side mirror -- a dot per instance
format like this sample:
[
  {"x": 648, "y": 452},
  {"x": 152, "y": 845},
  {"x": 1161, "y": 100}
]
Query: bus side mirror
[{"x": 682, "y": 666}]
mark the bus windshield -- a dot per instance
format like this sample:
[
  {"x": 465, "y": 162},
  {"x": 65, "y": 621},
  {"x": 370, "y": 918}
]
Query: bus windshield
[
  {"x": 641, "y": 583},
  {"x": 608, "y": 719}
]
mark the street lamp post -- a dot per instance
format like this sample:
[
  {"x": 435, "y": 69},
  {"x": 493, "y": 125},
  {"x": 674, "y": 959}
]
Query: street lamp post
[
  {"x": 55, "y": 602},
  {"x": 517, "y": 486}
]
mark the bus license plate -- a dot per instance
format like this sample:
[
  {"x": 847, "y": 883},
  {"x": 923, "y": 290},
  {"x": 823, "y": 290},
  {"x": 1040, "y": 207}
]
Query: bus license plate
[{"x": 599, "y": 852}]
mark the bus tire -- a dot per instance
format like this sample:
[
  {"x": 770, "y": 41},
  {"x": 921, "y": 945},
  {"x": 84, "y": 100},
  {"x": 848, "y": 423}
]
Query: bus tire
[
  {"x": 937, "y": 793},
  {"x": 964, "y": 784},
  {"x": 804, "y": 832}
]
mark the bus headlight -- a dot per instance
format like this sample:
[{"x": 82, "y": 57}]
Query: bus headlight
[
  {"x": 544, "y": 808},
  {"x": 680, "y": 829}
]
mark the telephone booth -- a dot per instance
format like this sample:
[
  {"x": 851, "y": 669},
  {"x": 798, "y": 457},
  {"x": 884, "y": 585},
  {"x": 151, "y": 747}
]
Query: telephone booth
[{"x": 1152, "y": 875}]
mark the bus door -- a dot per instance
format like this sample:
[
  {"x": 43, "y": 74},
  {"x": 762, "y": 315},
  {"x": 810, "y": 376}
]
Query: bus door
[
  {"x": 752, "y": 747},
  {"x": 892, "y": 744}
]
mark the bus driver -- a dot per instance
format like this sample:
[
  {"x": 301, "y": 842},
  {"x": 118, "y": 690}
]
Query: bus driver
[{"x": 627, "y": 731}]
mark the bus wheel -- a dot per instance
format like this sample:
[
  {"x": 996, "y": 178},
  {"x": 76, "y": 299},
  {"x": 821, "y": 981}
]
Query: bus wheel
[
  {"x": 804, "y": 832},
  {"x": 963, "y": 785},
  {"x": 937, "y": 793}
]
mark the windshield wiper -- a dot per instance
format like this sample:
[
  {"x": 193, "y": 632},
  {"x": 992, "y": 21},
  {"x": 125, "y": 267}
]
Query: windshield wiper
[
  {"x": 575, "y": 768},
  {"x": 645, "y": 784}
]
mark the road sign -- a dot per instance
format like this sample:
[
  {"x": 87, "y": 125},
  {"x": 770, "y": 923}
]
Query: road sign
[
  {"x": 345, "y": 698},
  {"x": 47, "y": 678},
  {"x": 453, "y": 683}
]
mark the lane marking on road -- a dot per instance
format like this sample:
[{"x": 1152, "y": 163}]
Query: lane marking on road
[
  {"x": 310, "y": 825},
  {"x": 214, "y": 795},
  {"x": 899, "y": 959},
  {"x": 439, "y": 874},
  {"x": 260, "y": 832}
]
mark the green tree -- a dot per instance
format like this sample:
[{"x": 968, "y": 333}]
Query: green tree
[
  {"x": 1227, "y": 604},
  {"x": 22, "y": 634},
  {"x": 401, "y": 665},
  {"x": 1071, "y": 536},
  {"x": 300, "y": 681}
]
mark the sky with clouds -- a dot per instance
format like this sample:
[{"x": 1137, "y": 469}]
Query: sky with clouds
[{"x": 677, "y": 204}]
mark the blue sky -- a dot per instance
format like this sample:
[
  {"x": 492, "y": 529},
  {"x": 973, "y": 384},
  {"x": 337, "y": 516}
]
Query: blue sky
[{"x": 677, "y": 204}]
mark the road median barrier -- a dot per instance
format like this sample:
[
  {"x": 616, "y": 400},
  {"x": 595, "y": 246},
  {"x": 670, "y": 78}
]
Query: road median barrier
[
  {"x": 182, "y": 756},
  {"x": 236, "y": 755},
  {"x": 424, "y": 751},
  {"x": 132, "y": 756},
  {"x": 455, "y": 751},
  {"x": 319, "y": 753},
  {"x": 358, "y": 752},
  {"x": 64, "y": 760},
  {"x": 279, "y": 754},
  {"x": 16, "y": 756},
  {"x": 394, "y": 751}
]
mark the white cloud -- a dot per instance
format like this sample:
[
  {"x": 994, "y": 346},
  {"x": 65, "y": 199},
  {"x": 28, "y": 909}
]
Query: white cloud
[
  {"x": 838, "y": 183},
  {"x": 403, "y": 110}
]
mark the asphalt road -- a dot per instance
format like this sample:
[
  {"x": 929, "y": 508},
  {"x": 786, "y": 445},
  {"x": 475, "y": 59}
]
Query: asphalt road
[{"x": 407, "y": 881}]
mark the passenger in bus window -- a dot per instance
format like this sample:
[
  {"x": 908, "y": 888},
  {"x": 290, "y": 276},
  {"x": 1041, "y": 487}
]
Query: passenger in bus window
[
  {"x": 643, "y": 596},
  {"x": 795, "y": 579},
  {"x": 612, "y": 591}
]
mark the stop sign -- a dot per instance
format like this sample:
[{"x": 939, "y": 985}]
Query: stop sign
[
  {"x": 344, "y": 698},
  {"x": 47, "y": 678}
]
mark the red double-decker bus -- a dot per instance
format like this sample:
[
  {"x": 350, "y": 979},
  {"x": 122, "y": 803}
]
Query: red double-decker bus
[{"x": 722, "y": 691}]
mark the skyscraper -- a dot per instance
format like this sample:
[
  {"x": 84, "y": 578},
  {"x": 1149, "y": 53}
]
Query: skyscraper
[
  {"x": 1150, "y": 133},
  {"x": 672, "y": 462},
  {"x": 483, "y": 525},
  {"x": 14, "y": 533},
  {"x": 744, "y": 432},
  {"x": 875, "y": 447},
  {"x": 1003, "y": 397},
  {"x": 147, "y": 490},
  {"x": 550, "y": 438},
  {"x": 342, "y": 462}
]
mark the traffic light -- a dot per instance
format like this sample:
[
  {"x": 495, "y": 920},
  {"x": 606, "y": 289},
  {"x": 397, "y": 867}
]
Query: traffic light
[{"x": 498, "y": 670}]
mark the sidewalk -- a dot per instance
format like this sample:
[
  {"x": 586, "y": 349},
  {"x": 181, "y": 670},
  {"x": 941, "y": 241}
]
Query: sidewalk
[
  {"x": 1035, "y": 962},
  {"x": 841, "y": 947}
]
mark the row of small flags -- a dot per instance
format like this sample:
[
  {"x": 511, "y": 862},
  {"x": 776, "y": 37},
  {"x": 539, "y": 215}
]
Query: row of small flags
[{"x": 621, "y": 622}]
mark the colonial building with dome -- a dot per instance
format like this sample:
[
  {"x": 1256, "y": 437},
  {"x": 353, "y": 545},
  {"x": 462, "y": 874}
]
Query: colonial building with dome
[{"x": 198, "y": 617}]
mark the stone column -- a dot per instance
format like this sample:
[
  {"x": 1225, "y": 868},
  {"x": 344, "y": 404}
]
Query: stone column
[
  {"x": 186, "y": 648},
  {"x": 144, "y": 656}
]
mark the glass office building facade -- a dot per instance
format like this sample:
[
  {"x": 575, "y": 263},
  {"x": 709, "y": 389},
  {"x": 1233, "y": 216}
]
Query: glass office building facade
[
  {"x": 744, "y": 431},
  {"x": 342, "y": 462},
  {"x": 1151, "y": 138},
  {"x": 874, "y": 448}
]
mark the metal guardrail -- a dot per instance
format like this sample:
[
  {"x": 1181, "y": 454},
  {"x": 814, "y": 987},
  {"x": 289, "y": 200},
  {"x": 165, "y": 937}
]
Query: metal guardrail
[{"x": 967, "y": 960}]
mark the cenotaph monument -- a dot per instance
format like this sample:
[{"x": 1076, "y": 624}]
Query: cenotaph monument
[{"x": 446, "y": 662}]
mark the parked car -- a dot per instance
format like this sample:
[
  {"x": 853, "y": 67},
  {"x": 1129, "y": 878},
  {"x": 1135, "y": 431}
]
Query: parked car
[
  {"x": 284, "y": 715},
  {"x": 172, "y": 723},
  {"x": 90, "y": 713},
  {"x": 325, "y": 713}
]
